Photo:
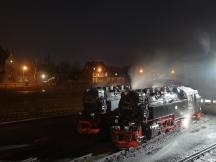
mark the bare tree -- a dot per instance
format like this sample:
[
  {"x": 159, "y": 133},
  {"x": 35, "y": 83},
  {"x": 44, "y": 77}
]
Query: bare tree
[{"x": 4, "y": 54}]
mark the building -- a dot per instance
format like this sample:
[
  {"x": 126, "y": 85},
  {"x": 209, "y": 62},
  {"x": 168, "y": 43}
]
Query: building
[{"x": 99, "y": 73}]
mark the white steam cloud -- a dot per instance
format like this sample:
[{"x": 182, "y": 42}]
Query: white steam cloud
[
  {"x": 205, "y": 43},
  {"x": 196, "y": 70},
  {"x": 154, "y": 74}
]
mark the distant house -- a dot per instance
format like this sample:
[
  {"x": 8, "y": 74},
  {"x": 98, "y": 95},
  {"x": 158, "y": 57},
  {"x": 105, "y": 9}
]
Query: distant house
[
  {"x": 94, "y": 69},
  {"x": 118, "y": 75},
  {"x": 99, "y": 73}
]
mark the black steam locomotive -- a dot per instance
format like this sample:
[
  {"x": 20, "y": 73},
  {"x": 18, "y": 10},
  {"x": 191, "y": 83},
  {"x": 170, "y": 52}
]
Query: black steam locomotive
[
  {"x": 98, "y": 103},
  {"x": 145, "y": 113}
]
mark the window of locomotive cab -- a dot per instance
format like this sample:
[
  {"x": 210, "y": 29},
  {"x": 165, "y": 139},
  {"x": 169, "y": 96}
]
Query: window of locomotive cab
[{"x": 182, "y": 94}]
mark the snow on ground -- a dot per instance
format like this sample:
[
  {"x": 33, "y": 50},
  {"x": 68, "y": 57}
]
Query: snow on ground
[
  {"x": 197, "y": 136},
  {"x": 173, "y": 146}
]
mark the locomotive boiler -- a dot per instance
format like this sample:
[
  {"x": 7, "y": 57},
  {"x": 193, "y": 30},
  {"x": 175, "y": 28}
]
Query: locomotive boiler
[{"x": 145, "y": 113}]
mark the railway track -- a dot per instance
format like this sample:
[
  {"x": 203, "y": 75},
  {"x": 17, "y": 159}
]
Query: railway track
[
  {"x": 148, "y": 148},
  {"x": 125, "y": 154},
  {"x": 29, "y": 116},
  {"x": 206, "y": 154}
]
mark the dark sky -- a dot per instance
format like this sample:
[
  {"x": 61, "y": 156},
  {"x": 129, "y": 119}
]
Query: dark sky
[{"x": 117, "y": 33}]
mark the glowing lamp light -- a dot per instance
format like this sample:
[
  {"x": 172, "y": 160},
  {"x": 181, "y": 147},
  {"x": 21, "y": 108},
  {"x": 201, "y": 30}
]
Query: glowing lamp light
[
  {"x": 172, "y": 71},
  {"x": 207, "y": 101},
  {"x": 99, "y": 69},
  {"x": 25, "y": 68},
  {"x": 43, "y": 76},
  {"x": 141, "y": 71},
  {"x": 11, "y": 61},
  {"x": 116, "y": 74}
]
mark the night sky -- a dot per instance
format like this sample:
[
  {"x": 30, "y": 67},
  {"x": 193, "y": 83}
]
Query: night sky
[{"x": 117, "y": 33}]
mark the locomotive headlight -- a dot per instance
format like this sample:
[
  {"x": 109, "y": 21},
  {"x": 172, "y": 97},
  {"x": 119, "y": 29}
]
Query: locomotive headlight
[
  {"x": 126, "y": 128},
  {"x": 155, "y": 126},
  {"x": 131, "y": 123},
  {"x": 92, "y": 114}
]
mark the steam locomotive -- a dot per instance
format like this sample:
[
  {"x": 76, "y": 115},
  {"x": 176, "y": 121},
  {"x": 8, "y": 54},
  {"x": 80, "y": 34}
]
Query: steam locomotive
[
  {"x": 98, "y": 103},
  {"x": 146, "y": 113}
]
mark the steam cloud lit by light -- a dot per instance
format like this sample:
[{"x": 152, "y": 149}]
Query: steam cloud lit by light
[{"x": 195, "y": 70}]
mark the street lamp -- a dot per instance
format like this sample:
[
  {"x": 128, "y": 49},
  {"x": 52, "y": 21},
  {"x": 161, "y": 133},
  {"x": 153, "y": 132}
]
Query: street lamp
[
  {"x": 99, "y": 69},
  {"x": 24, "y": 68},
  {"x": 43, "y": 76},
  {"x": 172, "y": 72},
  {"x": 141, "y": 71}
]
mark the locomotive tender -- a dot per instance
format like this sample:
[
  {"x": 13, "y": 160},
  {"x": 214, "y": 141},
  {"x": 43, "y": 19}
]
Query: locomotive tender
[{"x": 145, "y": 113}]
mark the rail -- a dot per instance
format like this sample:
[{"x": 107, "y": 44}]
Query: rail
[
  {"x": 198, "y": 154},
  {"x": 31, "y": 159},
  {"x": 82, "y": 158},
  {"x": 28, "y": 116}
]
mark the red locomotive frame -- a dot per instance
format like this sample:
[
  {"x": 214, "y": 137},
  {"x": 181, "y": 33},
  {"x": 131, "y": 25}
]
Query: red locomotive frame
[{"x": 130, "y": 138}]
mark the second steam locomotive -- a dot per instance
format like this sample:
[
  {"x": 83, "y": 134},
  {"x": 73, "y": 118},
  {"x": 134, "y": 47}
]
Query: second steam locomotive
[{"x": 99, "y": 104}]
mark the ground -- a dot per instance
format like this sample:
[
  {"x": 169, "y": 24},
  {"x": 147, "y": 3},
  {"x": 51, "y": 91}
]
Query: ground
[
  {"x": 56, "y": 139},
  {"x": 27, "y": 104}
]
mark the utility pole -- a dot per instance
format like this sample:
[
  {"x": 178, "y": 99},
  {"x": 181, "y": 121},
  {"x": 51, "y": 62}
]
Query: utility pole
[{"x": 35, "y": 70}]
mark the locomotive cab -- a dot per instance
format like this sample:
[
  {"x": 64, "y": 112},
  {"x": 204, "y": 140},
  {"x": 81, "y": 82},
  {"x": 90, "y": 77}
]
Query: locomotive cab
[{"x": 133, "y": 110}]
